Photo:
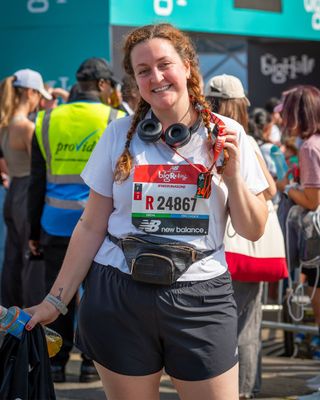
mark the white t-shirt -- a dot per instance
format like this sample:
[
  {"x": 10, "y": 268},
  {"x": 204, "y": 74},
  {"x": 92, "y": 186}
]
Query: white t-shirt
[
  {"x": 275, "y": 134},
  {"x": 98, "y": 175}
]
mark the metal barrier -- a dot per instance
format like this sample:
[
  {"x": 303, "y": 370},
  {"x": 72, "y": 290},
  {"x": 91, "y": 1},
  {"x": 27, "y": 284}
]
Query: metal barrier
[
  {"x": 278, "y": 308},
  {"x": 279, "y": 327},
  {"x": 290, "y": 327}
]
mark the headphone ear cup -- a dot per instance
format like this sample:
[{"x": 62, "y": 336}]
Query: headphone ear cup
[
  {"x": 177, "y": 135},
  {"x": 149, "y": 130}
]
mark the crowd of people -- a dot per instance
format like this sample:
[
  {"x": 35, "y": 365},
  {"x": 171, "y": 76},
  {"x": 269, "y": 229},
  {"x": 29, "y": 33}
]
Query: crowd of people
[{"x": 157, "y": 206}]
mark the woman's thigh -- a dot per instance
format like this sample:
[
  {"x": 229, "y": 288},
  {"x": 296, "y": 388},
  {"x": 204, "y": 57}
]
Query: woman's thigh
[
  {"x": 119, "y": 387},
  {"x": 221, "y": 387}
]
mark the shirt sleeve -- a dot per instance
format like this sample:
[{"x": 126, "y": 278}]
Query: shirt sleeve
[
  {"x": 255, "y": 145},
  {"x": 309, "y": 161},
  {"x": 98, "y": 172}
]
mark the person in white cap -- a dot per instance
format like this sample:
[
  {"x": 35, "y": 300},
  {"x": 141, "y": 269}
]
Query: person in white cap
[
  {"x": 29, "y": 79},
  {"x": 227, "y": 97},
  {"x": 19, "y": 95},
  {"x": 225, "y": 87}
]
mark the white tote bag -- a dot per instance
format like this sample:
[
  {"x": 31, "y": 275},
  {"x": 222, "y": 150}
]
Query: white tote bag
[{"x": 263, "y": 260}]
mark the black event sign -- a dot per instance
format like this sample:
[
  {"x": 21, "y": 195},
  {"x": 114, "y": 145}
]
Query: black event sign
[
  {"x": 275, "y": 67},
  {"x": 263, "y": 5}
]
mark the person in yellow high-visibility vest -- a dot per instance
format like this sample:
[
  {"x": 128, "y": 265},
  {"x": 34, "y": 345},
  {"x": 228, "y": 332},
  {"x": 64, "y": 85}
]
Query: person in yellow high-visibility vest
[{"x": 64, "y": 139}]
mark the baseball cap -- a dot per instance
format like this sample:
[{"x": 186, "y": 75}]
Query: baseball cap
[
  {"x": 225, "y": 87},
  {"x": 278, "y": 108},
  {"x": 27, "y": 78},
  {"x": 95, "y": 68}
]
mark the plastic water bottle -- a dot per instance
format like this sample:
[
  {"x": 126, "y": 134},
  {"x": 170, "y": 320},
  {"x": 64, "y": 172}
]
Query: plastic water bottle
[
  {"x": 13, "y": 321},
  {"x": 316, "y": 355},
  {"x": 279, "y": 161},
  {"x": 299, "y": 338},
  {"x": 315, "y": 342}
]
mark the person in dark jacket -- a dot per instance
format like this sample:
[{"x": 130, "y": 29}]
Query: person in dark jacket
[{"x": 63, "y": 141}]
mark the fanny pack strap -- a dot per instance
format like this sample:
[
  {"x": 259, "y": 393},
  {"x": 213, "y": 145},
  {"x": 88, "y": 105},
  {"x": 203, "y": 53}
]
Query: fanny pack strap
[
  {"x": 199, "y": 254},
  {"x": 114, "y": 239}
]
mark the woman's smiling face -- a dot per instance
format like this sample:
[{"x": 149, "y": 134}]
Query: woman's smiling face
[{"x": 161, "y": 75}]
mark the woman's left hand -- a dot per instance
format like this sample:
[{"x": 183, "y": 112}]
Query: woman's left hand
[{"x": 232, "y": 167}]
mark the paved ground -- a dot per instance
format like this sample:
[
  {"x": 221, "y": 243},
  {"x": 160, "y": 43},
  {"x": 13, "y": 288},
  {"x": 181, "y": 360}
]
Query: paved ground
[{"x": 283, "y": 378}]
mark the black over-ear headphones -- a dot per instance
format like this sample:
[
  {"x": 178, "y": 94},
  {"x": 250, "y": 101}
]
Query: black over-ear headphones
[{"x": 176, "y": 135}]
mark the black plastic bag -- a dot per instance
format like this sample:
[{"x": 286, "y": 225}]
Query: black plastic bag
[
  {"x": 291, "y": 236},
  {"x": 307, "y": 224},
  {"x": 301, "y": 229},
  {"x": 25, "y": 367}
]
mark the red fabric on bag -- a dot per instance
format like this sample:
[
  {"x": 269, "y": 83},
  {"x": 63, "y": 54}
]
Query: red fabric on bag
[{"x": 251, "y": 269}]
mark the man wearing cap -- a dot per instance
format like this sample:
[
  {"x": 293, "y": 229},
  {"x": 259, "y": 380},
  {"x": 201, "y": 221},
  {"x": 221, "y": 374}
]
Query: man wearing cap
[
  {"x": 227, "y": 96},
  {"x": 64, "y": 139}
]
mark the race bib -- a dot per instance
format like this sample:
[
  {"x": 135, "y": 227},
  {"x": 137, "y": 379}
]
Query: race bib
[{"x": 164, "y": 200}]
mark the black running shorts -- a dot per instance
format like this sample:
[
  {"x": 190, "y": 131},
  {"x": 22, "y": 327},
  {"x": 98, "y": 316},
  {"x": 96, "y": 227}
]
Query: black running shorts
[{"x": 133, "y": 328}]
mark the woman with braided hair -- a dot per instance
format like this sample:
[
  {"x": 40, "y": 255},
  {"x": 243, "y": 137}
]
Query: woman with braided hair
[{"x": 158, "y": 292}]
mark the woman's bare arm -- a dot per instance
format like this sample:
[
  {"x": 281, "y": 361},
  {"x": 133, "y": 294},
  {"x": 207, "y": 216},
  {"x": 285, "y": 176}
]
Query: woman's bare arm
[
  {"x": 308, "y": 198},
  {"x": 86, "y": 239}
]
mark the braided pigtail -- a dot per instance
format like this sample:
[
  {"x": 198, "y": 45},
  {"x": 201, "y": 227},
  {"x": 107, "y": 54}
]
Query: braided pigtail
[
  {"x": 124, "y": 163},
  {"x": 202, "y": 106},
  {"x": 206, "y": 116},
  {"x": 205, "y": 112},
  {"x": 198, "y": 100}
]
